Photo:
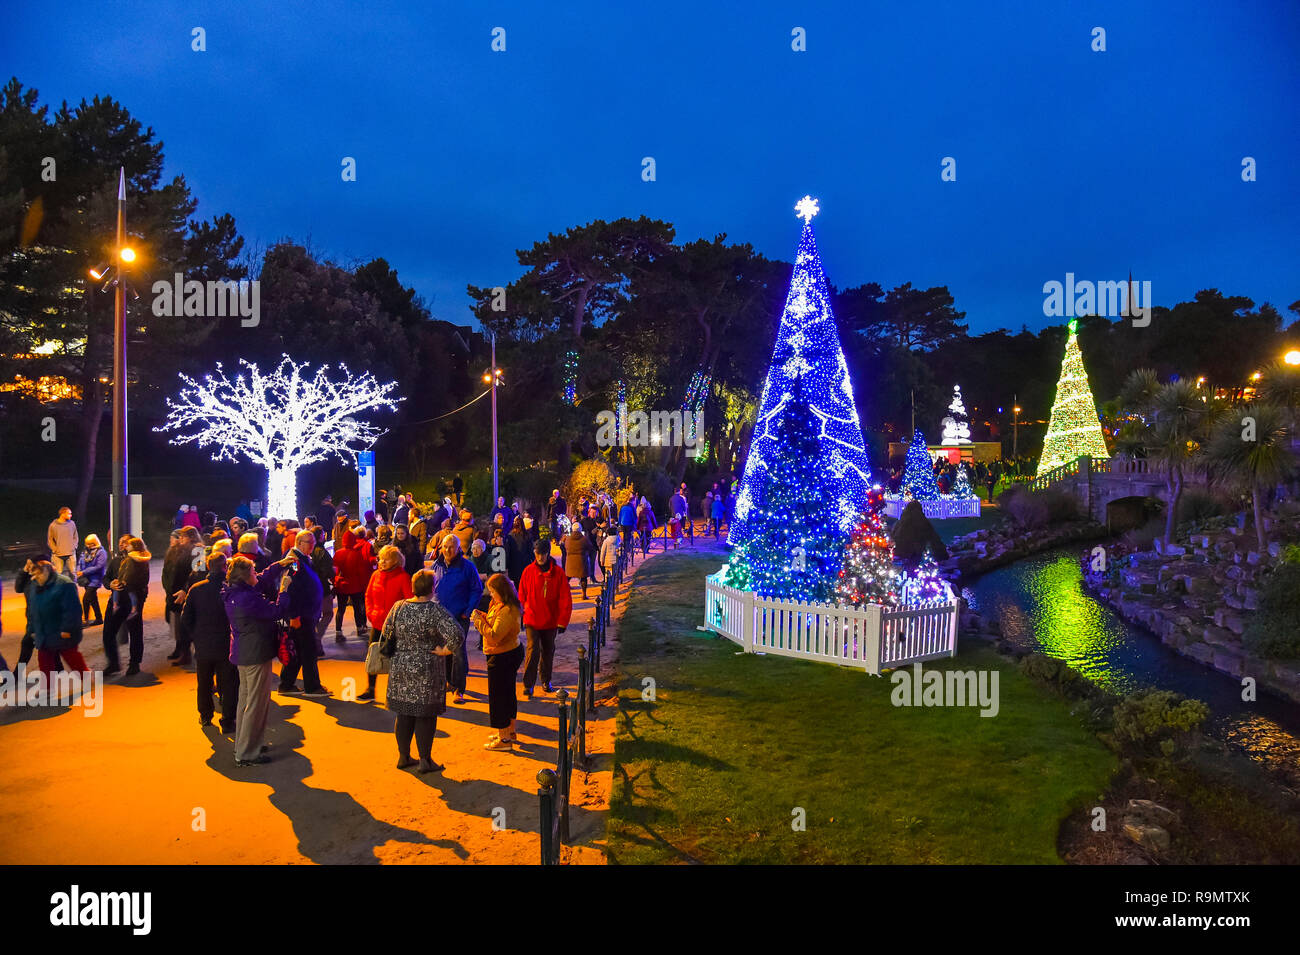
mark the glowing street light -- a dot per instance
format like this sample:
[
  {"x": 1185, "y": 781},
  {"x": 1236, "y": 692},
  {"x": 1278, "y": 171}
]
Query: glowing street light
[
  {"x": 492, "y": 376},
  {"x": 127, "y": 254},
  {"x": 1292, "y": 357}
]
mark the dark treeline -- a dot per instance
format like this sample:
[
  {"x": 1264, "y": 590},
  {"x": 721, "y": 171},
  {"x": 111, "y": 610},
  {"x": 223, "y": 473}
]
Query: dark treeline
[{"x": 601, "y": 304}]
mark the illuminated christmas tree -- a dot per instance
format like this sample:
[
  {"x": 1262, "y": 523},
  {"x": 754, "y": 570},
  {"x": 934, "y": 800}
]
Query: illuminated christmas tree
[
  {"x": 808, "y": 348},
  {"x": 956, "y": 427},
  {"x": 918, "y": 471},
  {"x": 868, "y": 575},
  {"x": 795, "y": 546},
  {"x": 1074, "y": 428},
  {"x": 961, "y": 488},
  {"x": 923, "y": 585}
]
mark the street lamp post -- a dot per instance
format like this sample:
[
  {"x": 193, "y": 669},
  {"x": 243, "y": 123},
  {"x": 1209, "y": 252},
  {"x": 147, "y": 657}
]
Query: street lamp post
[
  {"x": 118, "y": 517},
  {"x": 1015, "y": 433},
  {"x": 492, "y": 378},
  {"x": 123, "y": 255}
]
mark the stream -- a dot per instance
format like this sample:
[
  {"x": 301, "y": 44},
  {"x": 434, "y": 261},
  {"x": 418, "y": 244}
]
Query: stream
[{"x": 1040, "y": 603}]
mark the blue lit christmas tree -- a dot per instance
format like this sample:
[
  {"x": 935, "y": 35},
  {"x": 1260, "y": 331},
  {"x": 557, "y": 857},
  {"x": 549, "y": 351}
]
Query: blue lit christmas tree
[
  {"x": 808, "y": 348},
  {"x": 795, "y": 546},
  {"x": 918, "y": 472}
]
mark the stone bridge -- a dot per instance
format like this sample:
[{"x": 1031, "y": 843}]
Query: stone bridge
[{"x": 1099, "y": 483}]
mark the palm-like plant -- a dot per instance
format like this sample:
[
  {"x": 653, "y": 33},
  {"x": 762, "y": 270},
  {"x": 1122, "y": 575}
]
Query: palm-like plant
[
  {"x": 1178, "y": 417},
  {"x": 1167, "y": 426},
  {"x": 1253, "y": 453},
  {"x": 1280, "y": 385}
]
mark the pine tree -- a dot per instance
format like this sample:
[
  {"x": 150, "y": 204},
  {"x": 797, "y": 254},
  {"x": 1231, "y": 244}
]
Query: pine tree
[
  {"x": 868, "y": 575},
  {"x": 1074, "y": 429},
  {"x": 918, "y": 472},
  {"x": 794, "y": 547},
  {"x": 808, "y": 348}
]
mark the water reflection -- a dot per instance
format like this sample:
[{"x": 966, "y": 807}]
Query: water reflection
[{"x": 1039, "y": 603}]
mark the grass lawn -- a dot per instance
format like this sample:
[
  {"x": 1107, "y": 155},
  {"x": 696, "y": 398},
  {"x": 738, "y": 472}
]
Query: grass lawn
[{"x": 712, "y": 770}]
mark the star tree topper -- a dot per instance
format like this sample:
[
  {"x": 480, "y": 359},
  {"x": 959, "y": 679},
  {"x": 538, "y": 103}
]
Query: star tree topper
[{"x": 806, "y": 208}]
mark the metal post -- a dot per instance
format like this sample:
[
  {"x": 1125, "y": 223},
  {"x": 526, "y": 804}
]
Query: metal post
[
  {"x": 546, "y": 798},
  {"x": 119, "y": 520},
  {"x": 566, "y": 772},
  {"x": 584, "y": 702},
  {"x": 495, "y": 376},
  {"x": 1015, "y": 431}
]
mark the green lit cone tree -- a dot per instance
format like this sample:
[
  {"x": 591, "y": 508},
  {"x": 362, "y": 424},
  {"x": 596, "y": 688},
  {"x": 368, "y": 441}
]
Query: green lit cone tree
[{"x": 1074, "y": 429}]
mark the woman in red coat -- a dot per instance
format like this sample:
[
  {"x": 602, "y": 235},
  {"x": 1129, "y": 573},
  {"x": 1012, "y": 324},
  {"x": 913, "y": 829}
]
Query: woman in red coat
[
  {"x": 351, "y": 572},
  {"x": 389, "y": 584}
]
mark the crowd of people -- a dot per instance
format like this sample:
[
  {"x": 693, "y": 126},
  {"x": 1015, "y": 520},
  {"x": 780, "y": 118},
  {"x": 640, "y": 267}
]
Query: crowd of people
[
  {"x": 983, "y": 475},
  {"x": 242, "y": 593}
]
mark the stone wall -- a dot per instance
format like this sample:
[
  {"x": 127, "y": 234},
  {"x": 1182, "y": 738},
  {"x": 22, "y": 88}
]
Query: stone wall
[{"x": 1198, "y": 600}]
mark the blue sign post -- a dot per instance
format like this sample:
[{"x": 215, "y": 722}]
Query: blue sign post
[{"x": 365, "y": 483}]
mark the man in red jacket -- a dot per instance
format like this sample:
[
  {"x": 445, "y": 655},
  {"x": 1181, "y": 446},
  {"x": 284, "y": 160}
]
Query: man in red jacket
[
  {"x": 544, "y": 592},
  {"x": 351, "y": 574}
]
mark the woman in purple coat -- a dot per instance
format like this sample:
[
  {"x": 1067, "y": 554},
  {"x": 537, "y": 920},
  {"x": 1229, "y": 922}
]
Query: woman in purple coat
[{"x": 254, "y": 643}]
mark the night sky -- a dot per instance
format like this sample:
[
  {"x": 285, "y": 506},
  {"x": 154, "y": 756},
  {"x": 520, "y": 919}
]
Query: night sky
[{"x": 1068, "y": 160}]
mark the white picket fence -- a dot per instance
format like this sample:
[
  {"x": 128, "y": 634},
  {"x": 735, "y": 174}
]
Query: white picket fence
[
  {"x": 870, "y": 636},
  {"x": 939, "y": 510}
]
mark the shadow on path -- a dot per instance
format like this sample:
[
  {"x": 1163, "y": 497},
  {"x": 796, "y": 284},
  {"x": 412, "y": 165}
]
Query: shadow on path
[{"x": 332, "y": 827}]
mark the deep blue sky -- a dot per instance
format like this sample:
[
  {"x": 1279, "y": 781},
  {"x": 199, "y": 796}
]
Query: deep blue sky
[{"x": 1067, "y": 160}]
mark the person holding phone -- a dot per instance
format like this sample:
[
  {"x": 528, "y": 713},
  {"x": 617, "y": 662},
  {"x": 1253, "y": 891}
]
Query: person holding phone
[{"x": 500, "y": 627}]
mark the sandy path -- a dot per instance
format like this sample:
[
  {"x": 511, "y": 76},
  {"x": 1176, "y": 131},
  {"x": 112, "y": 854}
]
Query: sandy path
[{"x": 144, "y": 783}]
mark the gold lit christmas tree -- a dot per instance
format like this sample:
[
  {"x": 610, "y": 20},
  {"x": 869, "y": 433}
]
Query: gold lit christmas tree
[{"x": 1074, "y": 429}]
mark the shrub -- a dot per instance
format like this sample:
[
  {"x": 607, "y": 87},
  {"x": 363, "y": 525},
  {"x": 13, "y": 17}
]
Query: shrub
[
  {"x": 1159, "y": 719},
  {"x": 594, "y": 474},
  {"x": 1197, "y": 505},
  {"x": 1061, "y": 505},
  {"x": 1055, "y": 673},
  {"x": 914, "y": 534},
  {"x": 1291, "y": 554},
  {"x": 1025, "y": 509},
  {"x": 1273, "y": 631},
  {"x": 1143, "y": 538}
]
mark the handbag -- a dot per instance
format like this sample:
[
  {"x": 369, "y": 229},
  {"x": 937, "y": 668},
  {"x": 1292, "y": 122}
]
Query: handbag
[
  {"x": 287, "y": 652},
  {"x": 82, "y": 580},
  {"x": 376, "y": 661}
]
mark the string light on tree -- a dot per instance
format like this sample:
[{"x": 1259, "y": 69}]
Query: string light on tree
[
  {"x": 1074, "y": 428},
  {"x": 697, "y": 392},
  {"x": 571, "y": 377},
  {"x": 924, "y": 585},
  {"x": 795, "y": 546},
  {"x": 808, "y": 349},
  {"x": 282, "y": 420},
  {"x": 868, "y": 575}
]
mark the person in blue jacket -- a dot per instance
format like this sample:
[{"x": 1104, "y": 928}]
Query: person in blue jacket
[
  {"x": 459, "y": 589},
  {"x": 54, "y": 618},
  {"x": 627, "y": 521},
  {"x": 91, "y": 566}
]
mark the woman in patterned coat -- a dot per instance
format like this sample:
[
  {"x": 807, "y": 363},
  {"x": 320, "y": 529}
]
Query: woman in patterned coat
[{"x": 416, "y": 633}]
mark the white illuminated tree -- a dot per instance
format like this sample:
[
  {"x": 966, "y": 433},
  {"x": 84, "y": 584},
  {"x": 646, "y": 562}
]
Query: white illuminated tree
[
  {"x": 956, "y": 427},
  {"x": 282, "y": 420}
]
